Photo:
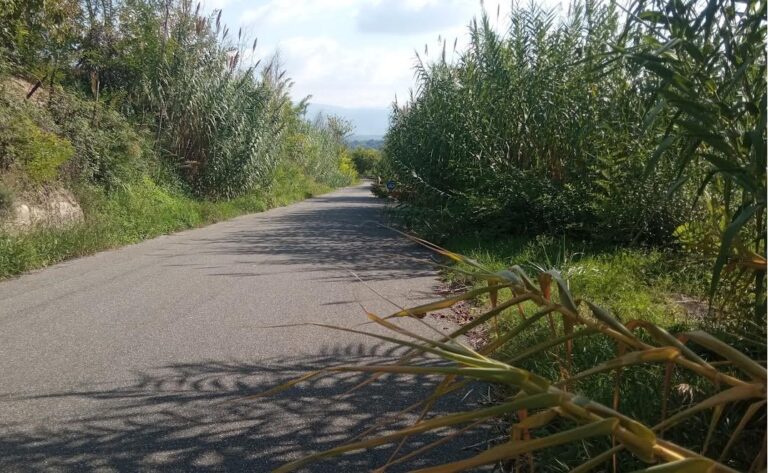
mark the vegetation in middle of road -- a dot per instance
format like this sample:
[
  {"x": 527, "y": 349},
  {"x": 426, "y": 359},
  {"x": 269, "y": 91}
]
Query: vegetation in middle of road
[{"x": 155, "y": 116}]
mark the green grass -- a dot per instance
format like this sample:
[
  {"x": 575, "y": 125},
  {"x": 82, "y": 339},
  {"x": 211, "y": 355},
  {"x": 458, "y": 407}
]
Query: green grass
[
  {"x": 137, "y": 212},
  {"x": 632, "y": 283}
]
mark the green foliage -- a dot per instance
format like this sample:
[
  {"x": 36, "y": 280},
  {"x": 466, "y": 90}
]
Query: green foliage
[
  {"x": 524, "y": 126},
  {"x": 600, "y": 131},
  {"x": 366, "y": 161},
  {"x": 347, "y": 168},
  {"x": 147, "y": 110},
  {"x": 40, "y": 34},
  {"x": 61, "y": 140},
  {"x": 709, "y": 63},
  {"x": 110, "y": 151},
  {"x": 221, "y": 126},
  {"x": 631, "y": 282},
  {"x": 158, "y": 85},
  {"x": 41, "y": 152},
  {"x": 291, "y": 184},
  {"x": 318, "y": 149},
  {"x": 37, "y": 152}
]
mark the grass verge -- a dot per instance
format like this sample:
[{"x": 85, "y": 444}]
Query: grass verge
[
  {"x": 137, "y": 212},
  {"x": 646, "y": 284},
  {"x": 633, "y": 283}
]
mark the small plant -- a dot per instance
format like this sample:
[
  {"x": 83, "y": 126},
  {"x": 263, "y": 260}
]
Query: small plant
[{"x": 548, "y": 411}]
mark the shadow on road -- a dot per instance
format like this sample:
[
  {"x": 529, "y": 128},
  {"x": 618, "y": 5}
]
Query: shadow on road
[
  {"x": 193, "y": 417},
  {"x": 338, "y": 232}
]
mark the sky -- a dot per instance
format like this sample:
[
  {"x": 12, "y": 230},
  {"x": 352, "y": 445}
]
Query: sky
[{"x": 352, "y": 54}]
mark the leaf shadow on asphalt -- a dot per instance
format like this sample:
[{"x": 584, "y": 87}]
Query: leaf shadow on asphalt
[
  {"x": 337, "y": 232},
  {"x": 194, "y": 417}
]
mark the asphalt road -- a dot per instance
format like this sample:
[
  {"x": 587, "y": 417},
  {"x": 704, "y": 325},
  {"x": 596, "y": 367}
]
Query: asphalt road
[{"x": 138, "y": 359}]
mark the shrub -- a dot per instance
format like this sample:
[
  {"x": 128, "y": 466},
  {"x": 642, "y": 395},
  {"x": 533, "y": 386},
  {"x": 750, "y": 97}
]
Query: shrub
[
  {"x": 109, "y": 150},
  {"x": 43, "y": 153},
  {"x": 347, "y": 168},
  {"x": 318, "y": 150},
  {"x": 71, "y": 138},
  {"x": 38, "y": 152},
  {"x": 366, "y": 161}
]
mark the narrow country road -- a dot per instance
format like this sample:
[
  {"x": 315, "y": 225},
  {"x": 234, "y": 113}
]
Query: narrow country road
[{"x": 138, "y": 359}]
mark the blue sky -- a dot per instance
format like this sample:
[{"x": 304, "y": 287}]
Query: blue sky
[{"x": 350, "y": 53}]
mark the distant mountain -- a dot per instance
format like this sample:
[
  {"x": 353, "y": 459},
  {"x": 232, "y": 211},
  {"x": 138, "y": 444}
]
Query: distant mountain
[{"x": 370, "y": 123}]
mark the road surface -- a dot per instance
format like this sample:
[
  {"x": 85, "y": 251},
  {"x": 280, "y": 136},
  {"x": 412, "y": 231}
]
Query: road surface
[{"x": 138, "y": 359}]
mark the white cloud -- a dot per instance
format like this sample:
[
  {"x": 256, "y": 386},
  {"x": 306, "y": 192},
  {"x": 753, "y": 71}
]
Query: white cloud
[
  {"x": 351, "y": 77},
  {"x": 216, "y": 4},
  {"x": 412, "y": 16},
  {"x": 280, "y": 12},
  {"x": 324, "y": 49}
]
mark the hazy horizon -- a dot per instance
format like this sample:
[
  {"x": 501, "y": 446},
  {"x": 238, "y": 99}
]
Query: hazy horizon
[{"x": 368, "y": 121}]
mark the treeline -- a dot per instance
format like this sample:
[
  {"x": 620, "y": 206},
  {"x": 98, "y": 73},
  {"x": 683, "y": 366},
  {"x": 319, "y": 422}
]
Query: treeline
[
  {"x": 626, "y": 125},
  {"x": 139, "y": 87}
]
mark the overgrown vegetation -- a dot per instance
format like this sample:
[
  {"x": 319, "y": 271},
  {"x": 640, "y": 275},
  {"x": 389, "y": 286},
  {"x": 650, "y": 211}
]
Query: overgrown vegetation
[
  {"x": 525, "y": 127},
  {"x": 646, "y": 283},
  {"x": 132, "y": 102},
  {"x": 367, "y": 160},
  {"x": 627, "y": 126},
  {"x": 583, "y": 391}
]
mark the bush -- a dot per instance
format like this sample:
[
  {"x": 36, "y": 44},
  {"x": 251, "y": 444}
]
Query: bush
[
  {"x": 347, "y": 168},
  {"x": 366, "y": 161},
  {"x": 70, "y": 138},
  {"x": 43, "y": 153},
  {"x": 37, "y": 152},
  {"x": 109, "y": 150},
  {"x": 318, "y": 150}
]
